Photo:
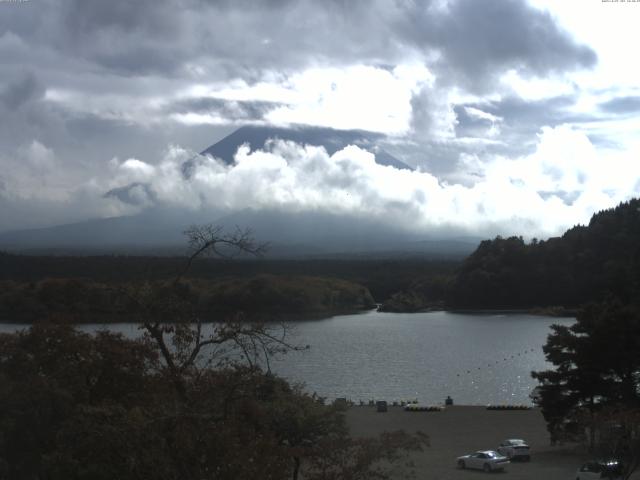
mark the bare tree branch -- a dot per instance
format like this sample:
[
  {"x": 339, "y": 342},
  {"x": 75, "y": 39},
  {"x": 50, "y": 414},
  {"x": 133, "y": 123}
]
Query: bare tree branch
[
  {"x": 208, "y": 239},
  {"x": 169, "y": 318}
]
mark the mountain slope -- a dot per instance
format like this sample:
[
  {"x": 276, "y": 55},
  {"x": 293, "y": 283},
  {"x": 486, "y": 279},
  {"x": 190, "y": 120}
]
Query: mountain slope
[
  {"x": 331, "y": 140},
  {"x": 303, "y": 233},
  {"x": 290, "y": 235},
  {"x": 154, "y": 227},
  {"x": 322, "y": 233}
]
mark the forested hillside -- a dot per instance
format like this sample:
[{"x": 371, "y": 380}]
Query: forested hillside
[
  {"x": 381, "y": 276},
  {"x": 263, "y": 297},
  {"x": 588, "y": 263}
]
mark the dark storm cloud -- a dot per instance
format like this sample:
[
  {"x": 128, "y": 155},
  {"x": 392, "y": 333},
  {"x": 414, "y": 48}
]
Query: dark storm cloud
[
  {"x": 153, "y": 47},
  {"x": 630, "y": 104},
  {"x": 122, "y": 46},
  {"x": 468, "y": 125},
  {"x": 481, "y": 39},
  {"x": 22, "y": 90},
  {"x": 517, "y": 113},
  {"x": 475, "y": 39},
  {"x": 90, "y": 16},
  {"x": 519, "y": 121},
  {"x": 104, "y": 78},
  {"x": 94, "y": 138},
  {"x": 232, "y": 110},
  {"x": 141, "y": 37},
  {"x": 141, "y": 34},
  {"x": 28, "y": 118}
]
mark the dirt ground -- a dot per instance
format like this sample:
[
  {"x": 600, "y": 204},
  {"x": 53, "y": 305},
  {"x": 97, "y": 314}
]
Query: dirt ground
[{"x": 460, "y": 430}]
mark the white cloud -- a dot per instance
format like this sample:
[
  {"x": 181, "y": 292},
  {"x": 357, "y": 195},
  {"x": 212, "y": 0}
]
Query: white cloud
[
  {"x": 477, "y": 113},
  {"x": 30, "y": 171},
  {"x": 493, "y": 129},
  {"x": 373, "y": 69},
  {"x": 38, "y": 156},
  {"x": 357, "y": 97},
  {"x": 562, "y": 183},
  {"x": 36, "y": 191},
  {"x": 535, "y": 88},
  {"x": 137, "y": 168},
  {"x": 610, "y": 28},
  {"x": 526, "y": 195},
  {"x": 565, "y": 164}
]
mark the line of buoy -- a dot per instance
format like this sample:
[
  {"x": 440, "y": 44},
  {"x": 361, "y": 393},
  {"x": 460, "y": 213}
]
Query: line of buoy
[
  {"x": 412, "y": 407},
  {"x": 508, "y": 407}
]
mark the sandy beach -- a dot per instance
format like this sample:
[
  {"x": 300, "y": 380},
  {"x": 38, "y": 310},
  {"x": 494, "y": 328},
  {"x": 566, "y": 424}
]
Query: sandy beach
[{"x": 459, "y": 430}]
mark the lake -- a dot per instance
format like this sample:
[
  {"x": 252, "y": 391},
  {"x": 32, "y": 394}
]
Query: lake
[{"x": 477, "y": 359}]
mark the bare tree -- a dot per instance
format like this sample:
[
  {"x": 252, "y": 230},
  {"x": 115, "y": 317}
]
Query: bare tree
[
  {"x": 169, "y": 316},
  {"x": 212, "y": 240},
  {"x": 196, "y": 354}
]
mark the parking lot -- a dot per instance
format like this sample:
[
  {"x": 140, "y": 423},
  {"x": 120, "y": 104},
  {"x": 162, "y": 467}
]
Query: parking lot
[{"x": 459, "y": 430}]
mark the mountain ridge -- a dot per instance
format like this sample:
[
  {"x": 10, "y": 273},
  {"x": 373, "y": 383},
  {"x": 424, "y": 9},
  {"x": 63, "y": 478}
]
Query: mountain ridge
[
  {"x": 332, "y": 140},
  {"x": 301, "y": 233}
]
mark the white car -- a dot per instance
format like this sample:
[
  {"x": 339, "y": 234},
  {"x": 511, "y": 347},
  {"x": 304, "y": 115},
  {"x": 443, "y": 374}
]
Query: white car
[
  {"x": 515, "y": 448},
  {"x": 610, "y": 469},
  {"x": 486, "y": 460}
]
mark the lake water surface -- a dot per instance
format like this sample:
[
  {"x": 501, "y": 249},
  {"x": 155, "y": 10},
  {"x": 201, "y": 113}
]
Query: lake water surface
[{"x": 475, "y": 358}]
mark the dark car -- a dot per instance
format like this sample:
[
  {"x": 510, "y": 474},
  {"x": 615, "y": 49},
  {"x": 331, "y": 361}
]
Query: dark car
[
  {"x": 609, "y": 469},
  {"x": 381, "y": 406}
]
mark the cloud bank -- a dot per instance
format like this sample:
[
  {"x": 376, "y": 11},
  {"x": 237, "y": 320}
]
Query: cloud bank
[
  {"x": 562, "y": 183},
  {"x": 487, "y": 100}
]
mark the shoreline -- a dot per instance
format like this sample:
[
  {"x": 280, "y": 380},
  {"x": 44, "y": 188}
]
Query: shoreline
[
  {"x": 114, "y": 319},
  {"x": 108, "y": 319},
  {"x": 559, "y": 312}
]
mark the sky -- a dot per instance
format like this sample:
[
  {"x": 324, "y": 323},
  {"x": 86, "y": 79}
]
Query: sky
[{"x": 518, "y": 117}]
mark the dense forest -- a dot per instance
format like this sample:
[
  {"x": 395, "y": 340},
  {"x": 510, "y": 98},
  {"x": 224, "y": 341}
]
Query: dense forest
[
  {"x": 383, "y": 277},
  {"x": 587, "y": 263},
  {"x": 263, "y": 297},
  {"x": 90, "y": 288},
  {"x": 181, "y": 401}
]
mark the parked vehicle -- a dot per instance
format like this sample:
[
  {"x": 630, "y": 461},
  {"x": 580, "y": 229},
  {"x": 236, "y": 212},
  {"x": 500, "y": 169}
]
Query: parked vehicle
[
  {"x": 487, "y": 460},
  {"x": 609, "y": 469},
  {"x": 515, "y": 449}
]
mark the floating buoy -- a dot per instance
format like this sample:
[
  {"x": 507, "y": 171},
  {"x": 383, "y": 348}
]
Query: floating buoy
[
  {"x": 508, "y": 407},
  {"x": 414, "y": 407}
]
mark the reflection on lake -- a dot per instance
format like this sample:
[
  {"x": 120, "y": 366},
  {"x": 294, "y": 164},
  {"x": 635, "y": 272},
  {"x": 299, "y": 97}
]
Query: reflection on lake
[{"x": 477, "y": 359}]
